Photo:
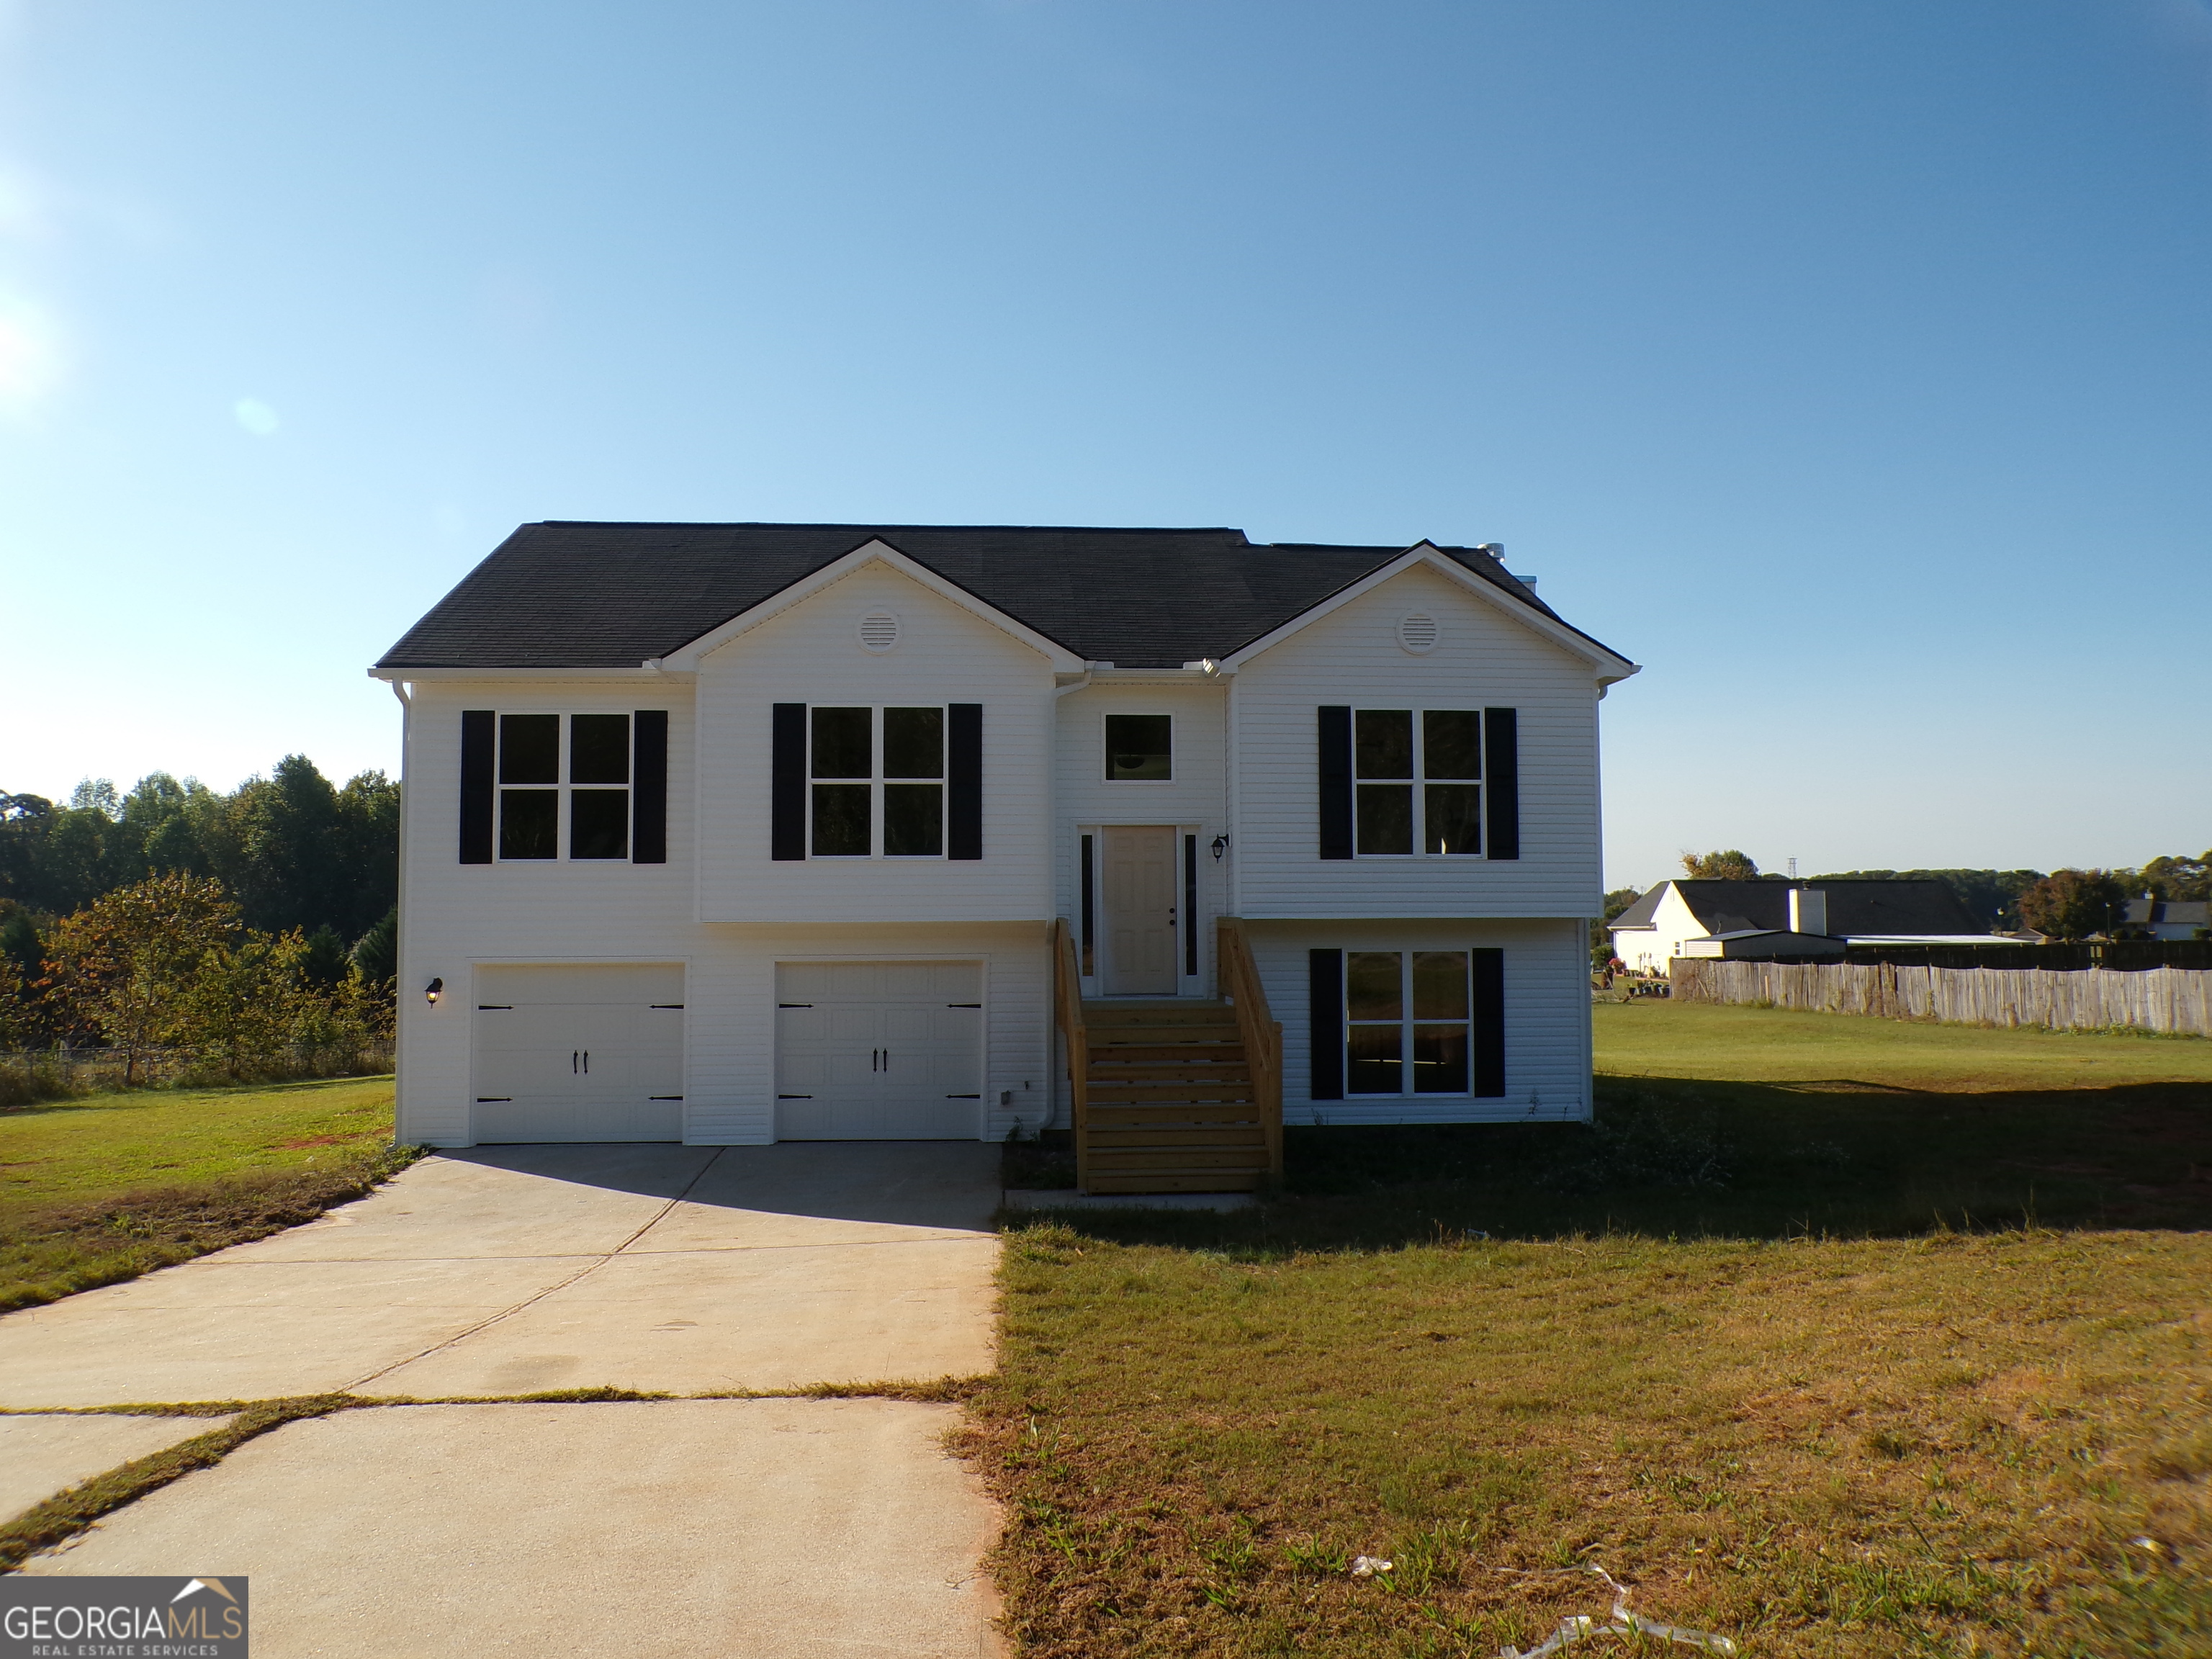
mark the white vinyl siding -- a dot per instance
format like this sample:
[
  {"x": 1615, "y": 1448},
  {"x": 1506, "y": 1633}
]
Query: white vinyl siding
[
  {"x": 1483, "y": 659},
  {"x": 1548, "y": 1061},
  {"x": 811, "y": 654}
]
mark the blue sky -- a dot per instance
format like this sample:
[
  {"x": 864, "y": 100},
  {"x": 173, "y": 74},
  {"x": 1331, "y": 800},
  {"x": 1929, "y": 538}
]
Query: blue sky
[{"x": 1848, "y": 365}]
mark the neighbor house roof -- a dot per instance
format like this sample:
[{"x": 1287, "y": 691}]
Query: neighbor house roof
[
  {"x": 575, "y": 595},
  {"x": 2173, "y": 912},
  {"x": 1854, "y": 907}
]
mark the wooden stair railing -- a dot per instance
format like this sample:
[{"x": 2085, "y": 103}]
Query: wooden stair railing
[
  {"x": 1239, "y": 976},
  {"x": 1067, "y": 1009}
]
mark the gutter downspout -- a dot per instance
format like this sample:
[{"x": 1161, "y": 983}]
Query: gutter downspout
[{"x": 399, "y": 1113}]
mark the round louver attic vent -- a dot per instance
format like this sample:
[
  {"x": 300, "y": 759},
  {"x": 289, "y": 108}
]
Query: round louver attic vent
[
  {"x": 1417, "y": 633},
  {"x": 880, "y": 630}
]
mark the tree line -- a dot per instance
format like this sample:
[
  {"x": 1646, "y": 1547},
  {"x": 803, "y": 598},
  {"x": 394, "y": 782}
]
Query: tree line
[
  {"x": 256, "y": 930},
  {"x": 2068, "y": 904}
]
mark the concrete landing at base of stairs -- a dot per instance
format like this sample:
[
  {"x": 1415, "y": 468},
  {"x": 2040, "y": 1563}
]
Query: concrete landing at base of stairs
[
  {"x": 1055, "y": 1198},
  {"x": 831, "y": 1530}
]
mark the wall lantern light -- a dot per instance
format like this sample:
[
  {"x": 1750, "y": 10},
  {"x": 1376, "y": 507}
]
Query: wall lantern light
[
  {"x": 1220, "y": 846},
  {"x": 434, "y": 990}
]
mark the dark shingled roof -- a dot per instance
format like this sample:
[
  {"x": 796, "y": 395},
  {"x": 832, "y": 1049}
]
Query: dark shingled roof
[
  {"x": 571, "y": 595},
  {"x": 1854, "y": 907}
]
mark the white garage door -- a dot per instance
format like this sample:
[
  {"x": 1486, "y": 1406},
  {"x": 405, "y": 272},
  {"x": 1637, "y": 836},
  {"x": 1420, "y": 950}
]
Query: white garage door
[
  {"x": 580, "y": 1054},
  {"x": 879, "y": 1050}
]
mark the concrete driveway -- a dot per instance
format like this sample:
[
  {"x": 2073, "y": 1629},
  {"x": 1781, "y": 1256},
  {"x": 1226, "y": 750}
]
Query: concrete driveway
[{"x": 820, "y": 1527}]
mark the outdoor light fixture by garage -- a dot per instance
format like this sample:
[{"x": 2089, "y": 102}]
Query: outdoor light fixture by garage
[
  {"x": 434, "y": 990},
  {"x": 1220, "y": 846}
]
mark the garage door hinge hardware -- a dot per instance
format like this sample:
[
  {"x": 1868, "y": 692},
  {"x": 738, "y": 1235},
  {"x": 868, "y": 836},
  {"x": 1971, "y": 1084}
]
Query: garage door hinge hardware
[
  {"x": 664, "y": 1096},
  {"x": 482, "y": 1099},
  {"x": 481, "y": 1007},
  {"x": 664, "y": 1005},
  {"x": 963, "y": 1004},
  {"x": 963, "y": 1096},
  {"x": 796, "y": 1005},
  {"x": 795, "y": 1096}
]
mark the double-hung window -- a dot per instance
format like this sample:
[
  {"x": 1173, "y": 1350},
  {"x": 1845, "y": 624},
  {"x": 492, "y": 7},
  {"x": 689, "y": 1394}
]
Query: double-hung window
[
  {"x": 1418, "y": 780},
  {"x": 876, "y": 782},
  {"x": 564, "y": 786},
  {"x": 1407, "y": 1019}
]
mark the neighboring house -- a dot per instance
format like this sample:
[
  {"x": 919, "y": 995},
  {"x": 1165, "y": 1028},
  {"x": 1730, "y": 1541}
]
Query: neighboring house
[
  {"x": 1768, "y": 919},
  {"x": 738, "y": 832},
  {"x": 2152, "y": 918}
]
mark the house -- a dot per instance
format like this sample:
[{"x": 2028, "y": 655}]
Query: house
[
  {"x": 1800, "y": 920},
  {"x": 2156, "y": 917},
  {"x": 737, "y": 833}
]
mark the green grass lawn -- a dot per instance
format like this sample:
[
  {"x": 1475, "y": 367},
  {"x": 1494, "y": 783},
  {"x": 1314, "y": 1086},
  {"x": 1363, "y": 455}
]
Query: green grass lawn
[
  {"x": 101, "y": 1188},
  {"x": 1773, "y": 1343}
]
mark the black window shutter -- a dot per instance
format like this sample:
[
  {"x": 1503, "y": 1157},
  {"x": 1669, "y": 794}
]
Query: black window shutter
[
  {"x": 1501, "y": 739},
  {"x": 788, "y": 783},
  {"x": 963, "y": 780},
  {"x": 1325, "y": 1022},
  {"x": 648, "y": 787},
  {"x": 479, "y": 739},
  {"x": 1335, "y": 784},
  {"x": 1490, "y": 1021}
]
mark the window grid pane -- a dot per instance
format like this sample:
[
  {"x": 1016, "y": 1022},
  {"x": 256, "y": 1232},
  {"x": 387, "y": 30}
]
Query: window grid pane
[
  {"x": 843, "y": 744},
  {"x": 914, "y": 820},
  {"x": 529, "y": 824},
  {"x": 914, "y": 742},
  {"x": 598, "y": 824},
  {"x": 599, "y": 749},
  {"x": 1386, "y": 817},
  {"x": 530, "y": 749},
  {"x": 1383, "y": 743},
  {"x": 842, "y": 820},
  {"x": 1406, "y": 1022}
]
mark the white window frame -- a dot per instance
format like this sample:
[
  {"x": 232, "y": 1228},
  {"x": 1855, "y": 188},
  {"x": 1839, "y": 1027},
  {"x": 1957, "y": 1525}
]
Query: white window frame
[
  {"x": 876, "y": 780},
  {"x": 563, "y": 840},
  {"x": 1406, "y": 1020},
  {"x": 1106, "y": 752},
  {"x": 1419, "y": 782}
]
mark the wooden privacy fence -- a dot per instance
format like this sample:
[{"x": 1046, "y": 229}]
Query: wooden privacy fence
[{"x": 2174, "y": 999}]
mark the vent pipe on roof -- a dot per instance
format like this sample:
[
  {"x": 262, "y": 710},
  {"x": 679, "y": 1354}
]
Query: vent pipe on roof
[{"x": 1809, "y": 910}]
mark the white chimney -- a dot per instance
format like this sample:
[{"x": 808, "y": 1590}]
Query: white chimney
[{"x": 1809, "y": 910}]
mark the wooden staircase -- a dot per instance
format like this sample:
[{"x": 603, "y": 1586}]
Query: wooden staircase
[
  {"x": 1171, "y": 1095},
  {"x": 1170, "y": 1099}
]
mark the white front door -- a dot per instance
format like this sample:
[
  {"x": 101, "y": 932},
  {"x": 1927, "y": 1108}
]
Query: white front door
[
  {"x": 584, "y": 1053},
  {"x": 1140, "y": 910},
  {"x": 879, "y": 1050}
]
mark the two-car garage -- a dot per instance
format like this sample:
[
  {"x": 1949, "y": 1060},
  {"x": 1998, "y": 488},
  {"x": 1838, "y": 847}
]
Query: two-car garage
[{"x": 595, "y": 1052}]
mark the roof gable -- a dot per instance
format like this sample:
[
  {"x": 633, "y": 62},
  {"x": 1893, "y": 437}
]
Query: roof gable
[
  {"x": 563, "y": 595},
  {"x": 686, "y": 657}
]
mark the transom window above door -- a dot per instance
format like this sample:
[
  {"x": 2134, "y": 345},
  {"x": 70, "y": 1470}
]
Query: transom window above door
[
  {"x": 1139, "y": 747},
  {"x": 1406, "y": 1018},
  {"x": 876, "y": 783},
  {"x": 564, "y": 786},
  {"x": 1418, "y": 780}
]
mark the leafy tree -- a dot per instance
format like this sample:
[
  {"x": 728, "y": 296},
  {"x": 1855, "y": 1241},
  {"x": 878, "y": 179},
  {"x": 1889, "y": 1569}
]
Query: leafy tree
[
  {"x": 376, "y": 952},
  {"x": 1601, "y": 941},
  {"x": 295, "y": 851},
  {"x": 1730, "y": 865},
  {"x": 123, "y": 963},
  {"x": 240, "y": 1005},
  {"x": 2176, "y": 878},
  {"x": 2074, "y": 903}
]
